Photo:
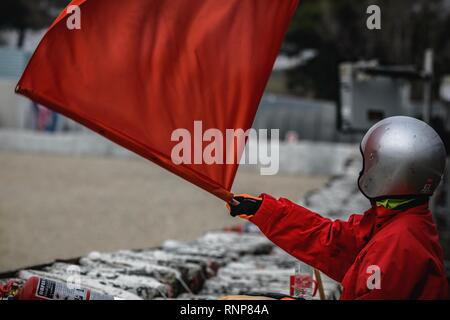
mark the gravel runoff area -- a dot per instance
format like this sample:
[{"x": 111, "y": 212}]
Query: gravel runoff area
[
  {"x": 59, "y": 207},
  {"x": 214, "y": 265}
]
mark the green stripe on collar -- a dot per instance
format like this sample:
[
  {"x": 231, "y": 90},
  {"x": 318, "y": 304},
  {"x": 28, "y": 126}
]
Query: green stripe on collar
[{"x": 393, "y": 203}]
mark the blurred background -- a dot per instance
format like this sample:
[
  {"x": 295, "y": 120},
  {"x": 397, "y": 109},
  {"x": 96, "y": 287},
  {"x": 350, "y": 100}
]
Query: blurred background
[{"x": 65, "y": 191}]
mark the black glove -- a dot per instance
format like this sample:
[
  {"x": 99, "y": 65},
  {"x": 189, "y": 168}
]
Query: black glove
[{"x": 247, "y": 207}]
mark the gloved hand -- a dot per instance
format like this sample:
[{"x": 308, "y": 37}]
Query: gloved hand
[{"x": 244, "y": 205}]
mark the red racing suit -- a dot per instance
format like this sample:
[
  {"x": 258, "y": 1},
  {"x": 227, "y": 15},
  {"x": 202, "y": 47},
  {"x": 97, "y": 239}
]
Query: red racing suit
[{"x": 403, "y": 244}]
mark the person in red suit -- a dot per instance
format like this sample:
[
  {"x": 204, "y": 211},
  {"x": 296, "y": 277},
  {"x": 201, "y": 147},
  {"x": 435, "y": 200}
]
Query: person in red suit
[{"x": 391, "y": 251}]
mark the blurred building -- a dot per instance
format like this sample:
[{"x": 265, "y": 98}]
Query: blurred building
[
  {"x": 13, "y": 108},
  {"x": 17, "y": 112},
  {"x": 309, "y": 119}
]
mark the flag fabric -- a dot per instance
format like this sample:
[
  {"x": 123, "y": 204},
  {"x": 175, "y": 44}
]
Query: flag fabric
[{"x": 137, "y": 70}]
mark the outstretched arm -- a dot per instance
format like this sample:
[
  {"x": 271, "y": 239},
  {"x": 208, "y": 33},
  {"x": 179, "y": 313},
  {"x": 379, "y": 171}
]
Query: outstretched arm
[{"x": 327, "y": 245}]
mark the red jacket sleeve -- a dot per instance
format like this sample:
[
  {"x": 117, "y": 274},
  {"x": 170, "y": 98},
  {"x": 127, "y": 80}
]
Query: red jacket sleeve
[{"x": 327, "y": 245}]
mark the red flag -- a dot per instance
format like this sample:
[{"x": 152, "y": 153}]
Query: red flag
[{"x": 139, "y": 69}]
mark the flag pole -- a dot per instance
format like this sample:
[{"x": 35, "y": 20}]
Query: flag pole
[{"x": 319, "y": 284}]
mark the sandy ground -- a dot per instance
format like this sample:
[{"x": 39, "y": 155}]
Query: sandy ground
[{"x": 63, "y": 207}]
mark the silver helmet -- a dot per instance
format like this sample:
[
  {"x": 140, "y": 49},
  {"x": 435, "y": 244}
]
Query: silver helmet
[{"x": 402, "y": 156}]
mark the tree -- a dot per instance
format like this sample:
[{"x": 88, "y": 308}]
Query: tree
[
  {"x": 337, "y": 30},
  {"x": 22, "y": 15}
]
